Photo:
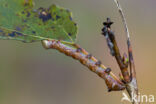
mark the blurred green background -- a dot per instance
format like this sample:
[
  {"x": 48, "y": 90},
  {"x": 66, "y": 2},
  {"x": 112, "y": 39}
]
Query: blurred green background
[{"x": 29, "y": 74}]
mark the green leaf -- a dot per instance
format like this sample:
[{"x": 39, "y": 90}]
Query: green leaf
[{"x": 19, "y": 21}]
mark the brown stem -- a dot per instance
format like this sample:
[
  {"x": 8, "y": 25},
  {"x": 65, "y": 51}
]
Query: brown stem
[
  {"x": 73, "y": 50},
  {"x": 128, "y": 78},
  {"x": 131, "y": 60},
  {"x": 132, "y": 87}
]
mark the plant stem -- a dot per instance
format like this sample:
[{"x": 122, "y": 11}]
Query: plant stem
[
  {"x": 131, "y": 87},
  {"x": 128, "y": 78},
  {"x": 123, "y": 18}
]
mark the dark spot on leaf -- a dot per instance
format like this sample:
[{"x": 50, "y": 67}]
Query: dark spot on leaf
[
  {"x": 23, "y": 12},
  {"x": 75, "y": 24},
  {"x": 69, "y": 34},
  {"x": 57, "y": 17},
  {"x": 12, "y": 34},
  {"x": 1, "y": 30},
  {"x": 24, "y": 20},
  {"x": 45, "y": 17},
  {"x": 28, "y": 14},
  {"x": 33, "y": 32},
  {"x": 18, "y": 33}
]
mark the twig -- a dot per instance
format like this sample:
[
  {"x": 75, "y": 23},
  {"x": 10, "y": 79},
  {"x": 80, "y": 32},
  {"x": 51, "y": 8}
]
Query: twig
[
  {"x": 123, "y": 18},
  {"x": 131, "y": 81},
  {"x": 128, "y": 79},
  {"x": 132, "y": 87},
  {"x": 132, "y": 66},
  {"x": 112, "y": 82}
]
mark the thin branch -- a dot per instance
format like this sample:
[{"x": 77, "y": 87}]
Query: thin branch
[
  {"x": 112, "y": 82},
  {"x": 131, "y": 60},
  {"x": 129, "y": 80},
  {"x": 131, "y": 87},
  {"x": 123, "y": 18}
]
